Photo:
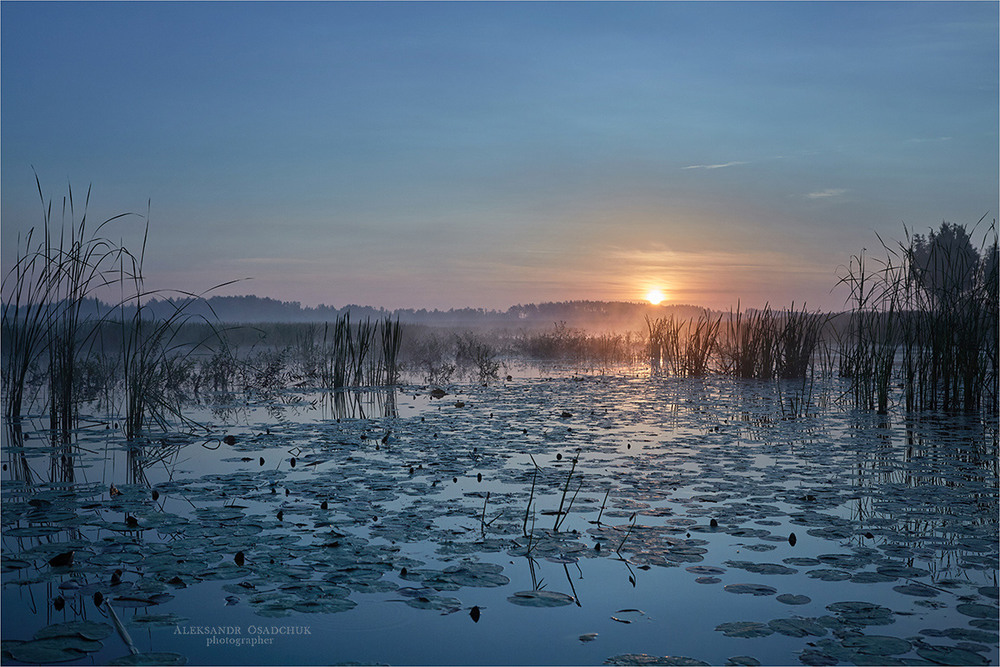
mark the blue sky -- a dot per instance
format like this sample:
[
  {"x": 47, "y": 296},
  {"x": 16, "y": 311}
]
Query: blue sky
[{"x": 487, "y": 154}]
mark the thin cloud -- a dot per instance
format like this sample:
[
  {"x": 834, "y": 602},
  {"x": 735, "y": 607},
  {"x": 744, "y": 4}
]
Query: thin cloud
[
  {"x": 826, "y": 194},
  {"x": 715, "y": 166}
]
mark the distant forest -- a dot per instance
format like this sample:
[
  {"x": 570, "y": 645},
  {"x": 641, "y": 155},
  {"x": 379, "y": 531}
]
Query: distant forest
[{"x": 252, "y": 309}]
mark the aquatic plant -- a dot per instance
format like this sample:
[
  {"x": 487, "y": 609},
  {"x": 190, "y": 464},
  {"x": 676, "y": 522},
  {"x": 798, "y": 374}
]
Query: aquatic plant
[
  {"x": 43, "y": 297},
  {"x": 155, "y": 362},
  {"x": 749, "y": 347},
  {"x": 933, "y": 303},
  {"x": 475, "y": 353},
  {"x": 560, "y": 515},
  {"x": 392, "y": 338},
  {"x": 351, "y": 357}
]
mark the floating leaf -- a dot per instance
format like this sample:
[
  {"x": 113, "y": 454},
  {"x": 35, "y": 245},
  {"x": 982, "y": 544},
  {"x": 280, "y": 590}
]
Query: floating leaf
[
  {"x": 877, "y": 645},
  {"x": 947, "y": 655},
  {"x": 797, "y": 627},
  {"x": 816, "y": 657},
  {"x": 976, "y": 610},
  {"x": 158, "y": 620},
  {"x": 435, "y": 602},
  {"x": 744, "y": 629},
  {"x": 862, "y": 613},
  {"x": 829, "y": 575},
  {"x": 787, "y": 598},
  {"x": 87, "y": 629},
  {"x": 541, "y": 599},
  {"x": 54, "y": 649},
  {"x": 750, "y": 589},
  {"x": 916, "y": 590}
]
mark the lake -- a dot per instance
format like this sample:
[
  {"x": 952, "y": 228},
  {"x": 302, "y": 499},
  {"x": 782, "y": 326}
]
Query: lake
[{"x": 553, "y": 518}]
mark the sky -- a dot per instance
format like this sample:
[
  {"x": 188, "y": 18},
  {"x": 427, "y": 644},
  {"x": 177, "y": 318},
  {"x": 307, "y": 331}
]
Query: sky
[{"x": 477, "y": 154}]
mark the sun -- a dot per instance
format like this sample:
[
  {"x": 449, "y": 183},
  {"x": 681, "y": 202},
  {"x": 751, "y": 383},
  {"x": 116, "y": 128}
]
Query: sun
[{"x": 655, "y": 296}]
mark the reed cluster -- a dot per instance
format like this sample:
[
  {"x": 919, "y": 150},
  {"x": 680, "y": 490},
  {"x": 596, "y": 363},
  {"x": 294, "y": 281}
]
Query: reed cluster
[
  {"x": 43, "y": 294},
  {"x": 683, "y": 347},
  {"x": 352, "y": 358},
  {"x": 763, "y": 344},
  {"x": 54, "y": 325},
  {"x": 924, "y": 318},
  {"x": 563, "y": 343}
]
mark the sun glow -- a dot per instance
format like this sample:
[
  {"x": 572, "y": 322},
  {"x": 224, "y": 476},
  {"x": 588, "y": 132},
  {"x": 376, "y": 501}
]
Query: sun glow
[{"x": 655, "y": 296}]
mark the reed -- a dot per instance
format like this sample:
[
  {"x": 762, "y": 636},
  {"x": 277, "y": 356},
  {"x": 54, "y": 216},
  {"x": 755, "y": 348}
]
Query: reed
[
  {"x": 43, "y": 295},
  {"x": 352, "y": 358},
  {"x": 560, "y": 516},
  {"x": 694, "y": 350},
  {"x": 799, "y": 338},
  {"x": 749, "y": 350},
  {"x": 154, "y": 360},
  {"x": 26, "y": 317},
  {"x": 531, "y": 497},
  {"x": 479, "y": 356},
  {"x": 656, "y": 333},
  {"x": 392, "y": 339},
  {"x": 926, "y": 319}
]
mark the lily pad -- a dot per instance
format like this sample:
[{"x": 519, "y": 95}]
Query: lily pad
[
  {"x": 158, "y": 620},
  {"x": 916, "y": 590},
  {"x": 797, "y": 627},
  {"x": 744, "y": 629},
  {"x": 434, "y": 602},
  {"x": 976, "y": 610},
  {"x": 750, "y": 589},
  {"x": 947, "y": 655},
  {"x": 484, "y": 575},
  {"x": 54, "y": 649},
  {"x": 541, "y": 599},
  {"x": 862, "y": 613},
  {"x": 87, "y": 629},
  {"x": 788, "y": 598},
  {"x": 877, "y": 645},
  {"x": 829, "y": 575},
  {"x": 960, "y": 634}
]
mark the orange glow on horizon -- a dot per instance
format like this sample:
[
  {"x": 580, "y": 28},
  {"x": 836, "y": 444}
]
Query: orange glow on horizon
[{"x": 655, "y": 296}]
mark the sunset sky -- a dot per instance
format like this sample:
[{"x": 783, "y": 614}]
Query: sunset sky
[{"x": 461, "y": 154}]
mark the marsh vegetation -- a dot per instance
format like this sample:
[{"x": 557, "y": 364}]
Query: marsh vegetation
[{"x": 759, "y": 486}]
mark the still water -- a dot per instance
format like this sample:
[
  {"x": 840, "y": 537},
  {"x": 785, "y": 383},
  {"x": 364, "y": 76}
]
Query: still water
[{"x": 620, "y": 519}]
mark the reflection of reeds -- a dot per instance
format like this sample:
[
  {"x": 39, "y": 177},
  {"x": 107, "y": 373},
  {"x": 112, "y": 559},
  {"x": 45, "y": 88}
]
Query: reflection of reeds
[{"x": 20, "y": 470}]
